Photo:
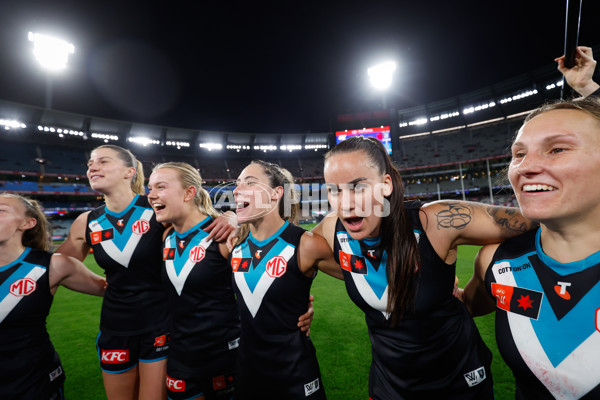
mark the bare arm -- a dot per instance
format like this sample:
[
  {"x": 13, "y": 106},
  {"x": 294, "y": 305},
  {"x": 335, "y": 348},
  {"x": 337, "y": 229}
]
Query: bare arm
[
  {"x": 316, "y": 253},
  {"x": 75, "y": 245},
  {"x": 326, "y": 228},
  {"x": 475, "y": 297},
  {"x": 449, "y": 224},
  {"x": 72, "y": 274}
]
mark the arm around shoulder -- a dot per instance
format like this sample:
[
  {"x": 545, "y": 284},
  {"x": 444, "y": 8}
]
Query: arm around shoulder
[
  {"x": 475, "y": 296},
  {"x": 75, "y": 244},
  {"x": 315, "y": 252},
  {"x": 72, "y": 274}
]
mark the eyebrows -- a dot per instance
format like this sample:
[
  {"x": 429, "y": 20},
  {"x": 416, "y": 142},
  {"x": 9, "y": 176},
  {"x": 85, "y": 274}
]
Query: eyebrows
[
  {"x": 350, "y": 184},
  {"x": 559, "y": 137}
]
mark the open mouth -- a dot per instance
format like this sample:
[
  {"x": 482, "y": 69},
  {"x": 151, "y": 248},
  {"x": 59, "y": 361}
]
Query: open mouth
[
  {"x": 158, "y": 206},
  {"x": 242, "y": 204},
  {"x": 538, "y": 188},
  {"x": 354, "y": 223}
]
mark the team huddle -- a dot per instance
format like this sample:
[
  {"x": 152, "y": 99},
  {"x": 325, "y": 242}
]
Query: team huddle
[{"x": 196, "y": 309}]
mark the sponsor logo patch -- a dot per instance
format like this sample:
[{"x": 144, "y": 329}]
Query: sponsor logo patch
[
  {"x": 103, "y": 235},
  {"x": 311, "y": 387},
  {"x": 175, "y": 385},
  {"x": 56, "y": 373},
  {"x": 115, "y": 356},
  {"x": 353, "y": 263},
  {"x": 168, "y": 253},
  {"x": 23, "y": 287},
  {"x": 140, "y": 226},
  {"x": 241, "y": 264},
  {"x": 160, "y": 341},
  {"x": 218, "y": 382},
  {"x": 561, "y": 290},
  {"x": 276, "y": 267},
  {"x": 517, "y": 300},
  {"x": 475, "y": 377},
  {"x": 197, "y": 253},
  {"x": 233, "y": 344}
]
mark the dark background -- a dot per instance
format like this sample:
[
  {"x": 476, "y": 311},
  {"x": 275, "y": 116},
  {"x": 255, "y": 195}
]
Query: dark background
[{"x": 273, "y": 67}]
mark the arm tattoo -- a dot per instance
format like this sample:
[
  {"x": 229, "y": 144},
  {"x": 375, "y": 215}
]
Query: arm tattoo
[
  {"x": 456, "y": 216},
  {"x": 510, "y": 218}
]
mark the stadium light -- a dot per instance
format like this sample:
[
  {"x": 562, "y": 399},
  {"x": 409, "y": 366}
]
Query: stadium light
[
  {"x": 381, "y": 75},
  {"x": 52, "y": 53}
]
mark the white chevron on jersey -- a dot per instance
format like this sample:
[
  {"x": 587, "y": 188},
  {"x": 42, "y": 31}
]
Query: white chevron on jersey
[
  {"x": 10, "y": 301},
  {"x": 576, "y": 375},
  {"x": 254, "y": 299},
  {"x": 178, "y": 281},
  {"x": 122, "y": 257},
  {"x": 361, "y": 283}
]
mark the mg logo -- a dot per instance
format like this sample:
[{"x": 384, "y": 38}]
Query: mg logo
[
  {"x": 23, "y": 287},
  {"x": 140, "y": 226},
  {"x": 276, "y": 267},
  {"x": 197, "y": 253}
]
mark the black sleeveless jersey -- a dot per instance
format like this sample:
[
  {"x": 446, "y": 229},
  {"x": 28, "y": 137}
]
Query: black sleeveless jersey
[
  {"x": 275, "y": 360},
  {"x": 28, "y": 362},
  {"x": 547, "y": 320},
  {"x": 127, "y": 245},
  {"x": 204, "y": 313},
  {"x": 435, "y": 351}
]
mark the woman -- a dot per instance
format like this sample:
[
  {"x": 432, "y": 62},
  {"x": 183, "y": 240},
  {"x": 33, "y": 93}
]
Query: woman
[
  {"x": 205, "y": 330},
  {"x": 274, "y": 263},
  {"x": 398, "y": 261},
  {"x": 206, "y": 326},
  {"x": 126, "y": 240},
  {"x": 30, "y": 368},
  {"x": 544, "y": 285}
]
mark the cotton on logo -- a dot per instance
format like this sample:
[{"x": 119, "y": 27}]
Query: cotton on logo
[
  {"x": 115, "y": 356},
  {"x": 140, "y": 226},
  {"x": 23, "y": 287},
  {"x": 175, "y": 385},
  {"x": 197, "y": 253},
  {"x": 276, "y": 266}
]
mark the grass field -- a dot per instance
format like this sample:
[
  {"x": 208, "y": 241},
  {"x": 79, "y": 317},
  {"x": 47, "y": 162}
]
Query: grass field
[{"x": 338, "y": 331}]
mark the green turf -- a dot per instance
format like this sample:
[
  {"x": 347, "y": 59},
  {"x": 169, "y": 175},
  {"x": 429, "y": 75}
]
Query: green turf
[{"x": 338, "y": 331}]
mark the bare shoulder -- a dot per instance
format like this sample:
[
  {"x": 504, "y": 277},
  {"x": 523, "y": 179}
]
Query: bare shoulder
[{"x": 326, "y": 228}]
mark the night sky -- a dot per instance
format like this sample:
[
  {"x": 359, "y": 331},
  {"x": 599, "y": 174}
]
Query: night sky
[{"x": 280, "y": 67}]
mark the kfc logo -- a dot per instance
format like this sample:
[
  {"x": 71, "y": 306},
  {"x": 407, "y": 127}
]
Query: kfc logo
[
  {"x": 23, "y": 287},
  {"x": 115, "y": 356},
  {"x": 175, "y": 385},
  {"x": 140, "y": 227},
  {"x": 276, "y": 267}
]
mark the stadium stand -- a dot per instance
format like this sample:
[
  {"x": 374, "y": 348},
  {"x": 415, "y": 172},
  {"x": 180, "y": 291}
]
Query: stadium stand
[{"x": 456, "y": 147}]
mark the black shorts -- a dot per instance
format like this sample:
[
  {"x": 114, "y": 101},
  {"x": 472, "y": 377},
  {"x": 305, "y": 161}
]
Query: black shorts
[
  {"x": 118, "y": 354},
  {"x": 217, "y": 386}
]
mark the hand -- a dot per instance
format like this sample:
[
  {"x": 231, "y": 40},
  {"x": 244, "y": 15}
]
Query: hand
[
  {"x": 579, "y": 77},
  {"x": 305, "y": 319},
  {"x": 222, "y": 226}
]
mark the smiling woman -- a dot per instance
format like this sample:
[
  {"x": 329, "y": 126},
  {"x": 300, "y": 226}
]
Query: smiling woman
[{"x": 544, "y": 285}]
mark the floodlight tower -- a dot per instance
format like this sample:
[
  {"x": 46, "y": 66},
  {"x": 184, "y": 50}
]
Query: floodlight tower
[{"x": 53, "y": 55}]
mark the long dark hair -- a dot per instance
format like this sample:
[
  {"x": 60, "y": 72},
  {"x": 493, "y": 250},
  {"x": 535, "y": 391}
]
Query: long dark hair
[{"x": 397, "y": 237}]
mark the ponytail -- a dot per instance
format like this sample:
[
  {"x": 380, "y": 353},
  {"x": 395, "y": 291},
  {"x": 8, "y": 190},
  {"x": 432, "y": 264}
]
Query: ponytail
[{"x": 397, "y": 237}]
